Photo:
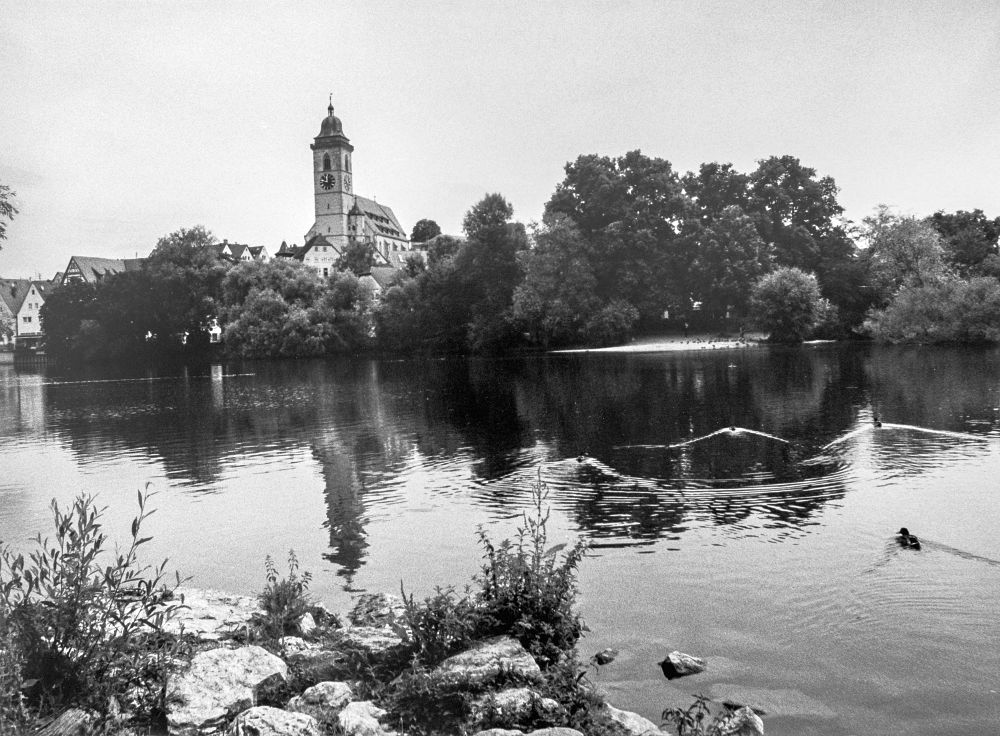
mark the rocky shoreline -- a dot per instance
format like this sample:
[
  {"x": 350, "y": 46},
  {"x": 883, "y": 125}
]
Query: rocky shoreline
[{"x": 219, "y": 689}]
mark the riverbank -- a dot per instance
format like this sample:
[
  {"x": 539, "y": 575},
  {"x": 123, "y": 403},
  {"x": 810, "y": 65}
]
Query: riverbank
[{"x": 677, "y": 343}]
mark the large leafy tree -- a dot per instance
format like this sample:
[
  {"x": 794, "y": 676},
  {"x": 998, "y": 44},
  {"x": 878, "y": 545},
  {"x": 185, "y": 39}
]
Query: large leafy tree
[
  {"x": 631, "y": 211},
  {"x": 969, "y": 240},
  {"x": 64, "y": 311},
  {"x": 424, "y": 230},
  {"x": 903, "y": 251},
  {"x": 358, "y": 257},
  {"x": 797, "y": 212},
  {"x": 728, "y": 258},
  {"x": 949, "y": 309}
]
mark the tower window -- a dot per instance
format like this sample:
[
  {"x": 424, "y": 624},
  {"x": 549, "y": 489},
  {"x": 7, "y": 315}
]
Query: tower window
[
  {"x": 347, "y": 161},
  {"x": 326, "y": 162}
]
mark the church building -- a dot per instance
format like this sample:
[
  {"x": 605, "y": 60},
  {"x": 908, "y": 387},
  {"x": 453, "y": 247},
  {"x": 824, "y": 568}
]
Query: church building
[{"x": 343, "y": 217}]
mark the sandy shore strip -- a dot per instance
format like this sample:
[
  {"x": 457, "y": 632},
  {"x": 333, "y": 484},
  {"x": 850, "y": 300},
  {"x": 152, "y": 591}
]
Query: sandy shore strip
[{"x": 675, "y": 344}]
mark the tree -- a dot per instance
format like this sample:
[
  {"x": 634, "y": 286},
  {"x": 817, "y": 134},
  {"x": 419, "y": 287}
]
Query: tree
[
  {"x": 799, "y": 214},
  {"x": 358, "y": 257},
  {"x": 294, "y": 281},
  {"x": 63, "y": 314},
  {"x": 490, "y": 213},
  {"x": 787, "y": 304},
  {"x": 715, "y": 188},
  {"x": 969, "y": 240},
  {"x": 728, "y": 258},
  {"x": 7, "y": 209},
  {"x": 902, "y": 251},
  {"x": 949, "y": 309},
  {"x": 558, "y": 294},
  {"x": 424, "y": 230}
]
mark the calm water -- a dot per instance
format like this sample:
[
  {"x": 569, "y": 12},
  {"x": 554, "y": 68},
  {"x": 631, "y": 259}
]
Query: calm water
[{"x": 773, "y": 559}]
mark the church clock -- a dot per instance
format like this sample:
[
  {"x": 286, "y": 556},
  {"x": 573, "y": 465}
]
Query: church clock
[
  {"x": 347, "y": 182},
  {"x": 327, "y": 181}
]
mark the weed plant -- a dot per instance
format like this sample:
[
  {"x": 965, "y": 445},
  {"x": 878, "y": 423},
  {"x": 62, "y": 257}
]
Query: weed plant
[
  {"x": 84, "y": 624},
  {"x": 528, "y": 590},
  {"x": 284, "y": 601},
  {"x": 696, "y": 719}
]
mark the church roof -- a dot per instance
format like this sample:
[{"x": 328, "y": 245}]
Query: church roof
[
  {"x": 331, "y": 130},
  {"x": 381, "y": 217}
]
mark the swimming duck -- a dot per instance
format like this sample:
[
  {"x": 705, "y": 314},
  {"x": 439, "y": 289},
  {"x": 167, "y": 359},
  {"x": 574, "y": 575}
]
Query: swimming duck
[
  {"x": 906, "y": 539},
  {"x": 877, "y": 421}
]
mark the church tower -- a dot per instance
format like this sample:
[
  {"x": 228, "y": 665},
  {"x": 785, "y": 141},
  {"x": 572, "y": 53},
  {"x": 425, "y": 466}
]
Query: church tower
[{"x": 332, "y": 185}]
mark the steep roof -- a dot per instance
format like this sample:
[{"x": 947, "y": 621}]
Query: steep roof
[
  {"x": 13, "y": 292},
  {"x": 94, "y": 269},
  {"x": 383, "y": 275},
  {"x": 381, "y": 217},
  {"x": 298, "y": 252}
]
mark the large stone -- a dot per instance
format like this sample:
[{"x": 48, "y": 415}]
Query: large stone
[
  {"x": 73, "y": 722},
  {"x": 633, "y": 723},
  {"x": 499, "y": 732},
  {"x": 780, "y": 702},
  {"x": 219, "y": 684},
  {"x": 514, "y": 705},
  {"x": 266, "y": 721},
  {"x": 678, "y": 664},
  {"x": 372, "y": 640},
  {"x": 556, "y": 731},
  {"x": 742, "y": 722},
  {"x": 322, "y": 701},
  {"x": 486, "y": 661},
  {"x": 360, "y": 718},
  {"x": 211, "y": 615}
]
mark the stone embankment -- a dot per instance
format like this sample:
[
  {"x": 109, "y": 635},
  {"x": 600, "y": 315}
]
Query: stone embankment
[{"x": 219, "y": 690}]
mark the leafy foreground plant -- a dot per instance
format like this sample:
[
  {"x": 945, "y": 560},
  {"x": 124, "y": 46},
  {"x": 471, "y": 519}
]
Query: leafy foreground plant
[
  {"x": 285, "y": 600},
  {"x": 82, "y": 632},
  {"x": 527, "y": 590}
]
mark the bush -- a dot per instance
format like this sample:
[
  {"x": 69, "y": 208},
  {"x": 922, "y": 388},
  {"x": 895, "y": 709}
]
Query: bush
[
  {"x": 950, "y": 310},
  {"x": 527, "y": 591},
  {"x": 442, "y": 625},
  {"x": 85, "y": 630},
  {"x": 285, "y": 600},
  {"x": 786, "y": 304}
]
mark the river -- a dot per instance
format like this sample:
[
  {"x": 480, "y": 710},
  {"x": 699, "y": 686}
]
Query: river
[{"x": 767, "y": 549}]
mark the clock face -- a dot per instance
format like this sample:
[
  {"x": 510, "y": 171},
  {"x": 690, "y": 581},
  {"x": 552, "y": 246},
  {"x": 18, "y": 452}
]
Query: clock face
[
  {"x": 347, "y": 181},
  {"x": 327, "y": 181}
]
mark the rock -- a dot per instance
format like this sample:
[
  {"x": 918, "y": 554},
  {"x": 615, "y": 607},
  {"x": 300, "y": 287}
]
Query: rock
[
  {"x": 514, "y": 705},
  {"x": 360, "y": 718},
  {"x": 73, "y": 722},
  {"x": 294, "y": 644},
  {"x": 266, "y": 721},
  {"x": 218, "y": 684},
  {"x": 317, "y": 665},
  {"x": 485, "y": 661},
  {"x": 632, "y": 722},
  {"x": 743, "y": 722},
  {"x": 211, "y": 615},
  {"x": 377, "y": 609},
  {"x": 372, "y": 640},
  {"x": 307, "y": 624},
  {"x": 557, "y": 731},
  {"x": 322, "y": 701},
  {"x": 499, "y": 732},
  {"x": 784, "y": 702},
  {"x": 678, "y": 664}
]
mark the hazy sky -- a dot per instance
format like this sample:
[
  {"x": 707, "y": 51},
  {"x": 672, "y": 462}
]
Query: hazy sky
[{"x": 122, "y": 122}]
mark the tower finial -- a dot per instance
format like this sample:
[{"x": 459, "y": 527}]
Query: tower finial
[{"x": 330, "y": 108}]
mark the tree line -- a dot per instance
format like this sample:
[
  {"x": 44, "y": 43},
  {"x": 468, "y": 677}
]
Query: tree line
[{"x": 626, "y": 245}]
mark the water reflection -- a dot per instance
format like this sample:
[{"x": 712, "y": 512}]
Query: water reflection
[{"x": 651, "y": 427}]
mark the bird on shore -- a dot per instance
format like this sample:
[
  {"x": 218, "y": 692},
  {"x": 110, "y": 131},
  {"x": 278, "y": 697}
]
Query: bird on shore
[{"x": 906, "y": 539}]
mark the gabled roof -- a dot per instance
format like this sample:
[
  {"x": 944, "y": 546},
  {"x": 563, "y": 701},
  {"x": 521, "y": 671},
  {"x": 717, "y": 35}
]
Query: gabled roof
[
  {"x": 381, "y": 217},
  {"x": 13, "y": 292},
  {"x": 383, "y": 275},
  {"x": 299, "y": 252},
  {"x": 94, "y": 269}
]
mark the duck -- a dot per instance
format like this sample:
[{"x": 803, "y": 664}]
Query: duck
[
  {"x": 877, "y": 421},
  {"x": 906, "y": 539}
]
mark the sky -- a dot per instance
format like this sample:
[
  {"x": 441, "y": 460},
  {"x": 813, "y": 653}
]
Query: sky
[{"x": 123, "y": 122}]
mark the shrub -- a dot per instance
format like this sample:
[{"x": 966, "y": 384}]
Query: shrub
[
  {"x": 786, "y": 304},
  {"x": 441, "y": 625},
  {"x": 284, "y": 601},
  {"x": 85, "y": 630},
  {"x": 527, "y": 591}
]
